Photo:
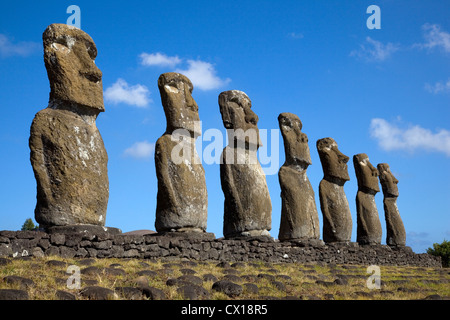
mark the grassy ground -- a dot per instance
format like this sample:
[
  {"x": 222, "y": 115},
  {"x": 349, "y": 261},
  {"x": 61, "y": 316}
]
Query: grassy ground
[{"x": 273, "y": 281}]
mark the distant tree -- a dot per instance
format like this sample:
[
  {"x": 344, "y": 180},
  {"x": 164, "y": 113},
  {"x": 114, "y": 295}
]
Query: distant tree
[
  {"x": 28, "y": 225},
  {"x": 442, "y": 250}
]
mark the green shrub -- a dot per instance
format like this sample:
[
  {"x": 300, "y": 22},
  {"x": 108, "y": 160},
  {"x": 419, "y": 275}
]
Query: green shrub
[
  {"x": 442, "y": 250},
  {"x": 28, "y": 225}
]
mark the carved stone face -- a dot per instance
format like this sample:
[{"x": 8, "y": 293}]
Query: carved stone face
[
  {"x": 387, "y": 180},
  {"x": 237, "y": 115},
  {"x": 366, "y": 173},
  {"x": 69, "y": 55},
  {"x": 334, "y": 162},
  {"x": 295, "y": 141},
  {"x": 180, "y": 108}
]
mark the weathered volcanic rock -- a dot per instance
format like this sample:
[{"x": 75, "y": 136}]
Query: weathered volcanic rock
[
  {"x": 247, "y": 208},
  {"x": 299, "y": 217},
  {"x": 395, "y": 230},
  {"x": 13, "y": 294},
  {"x": 68, "y": 156},
  {"x": 182, "y": 199},
  {"x": 337, "y": 219},
  {"x": 97, "y": 293},
  {"x": 229, "y": 288},
  {"x": 368, "y": 222},
  {"x": 194, "y": 292}
]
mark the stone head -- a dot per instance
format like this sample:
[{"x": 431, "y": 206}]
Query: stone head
[
  {"x": 237, "y": 115},
  {"x": 387, "y": 180},
  {"x": 69, "y": 55},
  {"x": 295, "y": 141},
  {"x": 180, "y": 108},
  {"x": 334, "y": 162},
  {"x": 366, "y": 173}
]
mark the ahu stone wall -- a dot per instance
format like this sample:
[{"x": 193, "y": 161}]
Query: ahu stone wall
[{"x": 203, "y": 247}]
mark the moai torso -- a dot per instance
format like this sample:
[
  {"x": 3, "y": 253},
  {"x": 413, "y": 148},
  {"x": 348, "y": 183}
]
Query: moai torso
[
  {"x": 247, "y": 207},
  {"x": 395, "y": 230},
  {"x": 368, "y": 222},
  {"x": 299, "y": 217},
  {"x": 337, "y": 219},
  {"x": 182, "y": 199},
  {"x": 68, "y": 156}
]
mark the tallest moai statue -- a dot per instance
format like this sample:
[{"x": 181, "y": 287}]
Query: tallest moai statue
[{"x": 68, "y": 156}]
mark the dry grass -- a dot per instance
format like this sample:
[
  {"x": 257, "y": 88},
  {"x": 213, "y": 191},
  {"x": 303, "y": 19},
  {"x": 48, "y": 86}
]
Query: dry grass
[{"x": 291, "y": 280}]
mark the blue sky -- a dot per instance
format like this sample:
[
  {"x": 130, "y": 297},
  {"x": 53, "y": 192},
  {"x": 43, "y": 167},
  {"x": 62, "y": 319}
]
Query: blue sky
[{"x": 384, "y": 92}]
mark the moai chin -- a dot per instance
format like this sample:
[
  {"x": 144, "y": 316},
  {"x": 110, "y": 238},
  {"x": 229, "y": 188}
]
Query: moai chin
[
  {"x": 182, "y": 199},
  {"x": 247, "y": 207},
  {"x": 67, "y": 153},
  {"x": 337, "y": 219},
  {"x": 395, "y": 230},
  {"x": 299, "y": 217},
  {"x": 368, "y": 222}
]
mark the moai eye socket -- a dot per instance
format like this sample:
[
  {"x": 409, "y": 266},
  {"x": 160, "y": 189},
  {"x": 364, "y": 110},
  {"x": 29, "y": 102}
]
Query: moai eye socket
[
  {"x": 92, "y": 50},
  {"x": 172, "y": 87}
]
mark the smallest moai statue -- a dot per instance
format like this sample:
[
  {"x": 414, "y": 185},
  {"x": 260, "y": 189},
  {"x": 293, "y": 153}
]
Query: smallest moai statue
[
  {"x": 368, "y": 222},
  {"x": 395, "y": 230}
]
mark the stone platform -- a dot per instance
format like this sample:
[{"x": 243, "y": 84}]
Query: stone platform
[{"x": 203, "y": 247}]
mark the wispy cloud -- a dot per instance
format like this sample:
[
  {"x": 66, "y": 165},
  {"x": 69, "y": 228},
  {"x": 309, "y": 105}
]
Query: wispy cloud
[
  {"x": 374, "y": 51},
  {"x": 203, "y": 75},
  {"x": 121, "y": 92},
  {"x": 8, "y": 48},
  {"x": 140, "y": 150},
  {"x": 295, "y": 35},
  {"x": 419, "y": 241},
  {"x": 159, "y": 59},
  {"x": 435, "y": 38},
  {"x": 392, "y": 137},
  {"x": 438, "y": 87}
]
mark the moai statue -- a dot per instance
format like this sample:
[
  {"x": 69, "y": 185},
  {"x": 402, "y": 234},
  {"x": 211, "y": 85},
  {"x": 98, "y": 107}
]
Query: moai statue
[
  {"x": 68, "y": 156},
  {"x": 337, "y": 219},
  {"x": 182, "y": 198},
  {"x": 396, "y": 234},
  {"x": 299, "y": 217},
  {"x": 368, "y": 222},
  {"x": 248, "y": 207}
]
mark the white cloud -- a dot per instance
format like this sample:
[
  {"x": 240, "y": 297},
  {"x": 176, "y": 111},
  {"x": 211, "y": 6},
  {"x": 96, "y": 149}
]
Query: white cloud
[
  {"x": 140, "y": 150},
  {"x": 158, "y": 59},
  {"x": 203, "y": 75},
  {"x": 438, "y": 87},
  {"x": 391, "y": 137},
  {"x": 121, "y": 92},
  {"x": 373, "y": 50},
  {"x": 7, "y": 48},
  {"x": 434, "y": 37}
]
